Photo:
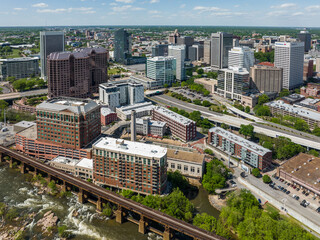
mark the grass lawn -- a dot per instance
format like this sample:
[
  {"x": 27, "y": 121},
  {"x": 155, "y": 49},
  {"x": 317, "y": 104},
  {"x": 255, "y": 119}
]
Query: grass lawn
[{"x": 14, "y": 54}]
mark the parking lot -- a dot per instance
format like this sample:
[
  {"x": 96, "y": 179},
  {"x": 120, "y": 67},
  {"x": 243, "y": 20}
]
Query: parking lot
[{"x": 194, "y": 95}]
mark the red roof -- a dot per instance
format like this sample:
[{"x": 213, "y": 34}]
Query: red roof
[{"x": 266, "y": 64}]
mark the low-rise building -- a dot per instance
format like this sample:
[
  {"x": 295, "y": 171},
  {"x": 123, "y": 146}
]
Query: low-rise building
[
  {"x": 293, "y": 98},
  {"x": 280, "y": 108},
  {"x": 313, "y": 104},
  {"x": 149, "y": 127},
  {"x": 147, "y": 83},
  {"x": 303, "y": 171},
  {"x": 142, "y": 110},
  {"x": 137, "y": 166},
  {"x": 209, "y": 84},
  {"x": 312, "y": 90},
  {"x": 249, "y": 152},
  {"x": 23, "y": 125},
  {"x": 107, "y": 116},
  {"x": 189, "y": 164},
  {"x": 179, "y": 126}
]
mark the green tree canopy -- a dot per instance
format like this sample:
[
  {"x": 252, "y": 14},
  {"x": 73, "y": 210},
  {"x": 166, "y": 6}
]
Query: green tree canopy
[{"x": 246, "y": 130}]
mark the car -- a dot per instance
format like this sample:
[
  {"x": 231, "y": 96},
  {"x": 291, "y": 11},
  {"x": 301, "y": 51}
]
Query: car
[
  {"x": 288, "y": 184},
  {"x": 307, "y": 203},
  {"x": 318, "y": 210},
  {"x": 298, "y": 189},
  {"x": 233, "y": 184},
  {"x": 284, "y": 190},
  {"x": 288, "y": 192},
  {"x": 294, "y": 187},
  {"x": 307, "y": 194},
  {"x": 293, "y": 195},
  {"x": 297, "y": 198}
]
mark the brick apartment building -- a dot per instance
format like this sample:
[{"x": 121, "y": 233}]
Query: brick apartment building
[
  {"x": 249, "y": 152},
  {"x": 130, "y": 165},
  {"x": 107, "y": 116},
  {"x": 312, "y": 90},
  {"x": 68, "y": 122},
  {"x": 179, "y": 126},
  {"x": 76, "y": 74}
]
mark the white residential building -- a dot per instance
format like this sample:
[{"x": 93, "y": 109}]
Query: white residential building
[
  {"x": 242, "y": 57},
  {"x": 142, "y": 109},
  {"x": 290, "y": 57},
  {"x": 162, "y": 69},
  {"x": 179, "y": 53}
]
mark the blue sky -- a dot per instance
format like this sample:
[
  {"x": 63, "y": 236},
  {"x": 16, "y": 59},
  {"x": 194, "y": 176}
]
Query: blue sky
[{"x": 160, "y": 12}]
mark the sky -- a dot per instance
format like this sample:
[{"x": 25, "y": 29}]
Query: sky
[{"x": 294, "y": 13}]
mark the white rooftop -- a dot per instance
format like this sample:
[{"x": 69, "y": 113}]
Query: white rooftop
[
  {"x": 106, "y": 111},
  {"x": 65, "y": 160},
  {"x": 25, "y": 124},
  {"x": 151, "y": 122},
  {"x": 85, "y": 163},
  {"x": 161, "y": 58},
  {"x": 174, "y": 116},
  {"x": 138, "y": 107},
  {"x": 295, "y": 109},
  {"x": 240, "y": 140},
  {"x": 135, "y": 148}
]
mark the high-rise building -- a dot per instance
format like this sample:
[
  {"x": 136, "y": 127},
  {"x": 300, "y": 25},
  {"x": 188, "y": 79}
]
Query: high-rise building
[
  {"x": 307, "y": 69},
  {"x": 207, "y": 52},
  {"x": 233, "y": 82},
  {"x": 122, "y": 45},
  {"x": 196, "y": 52},
  {"x": 266, "y": 78},
  {"x": 179, "y": 53},
  {"x": 242, "y": 57},
  {"x": 221, "y": 43},
  {"x": 318, "y": 65},
  {"x": 305, "y": 36},
  {"x": 68, "y": 122},
  {"x": 77, "y": 74},
  {"x": 290, "y": 57},
  {"x": 49, "y": 42},
  {"x": 123, "y": 164},
  {"x": 19, "y": 67},
  {"x": 160, "y": 50},
  {"x": 188, "y": 42},
  {"x": 173, "y": 37},
  {"x": 236, "y": 42},
  {"x": 162, "y": 69},
  {"x": 116, "y": 94}
]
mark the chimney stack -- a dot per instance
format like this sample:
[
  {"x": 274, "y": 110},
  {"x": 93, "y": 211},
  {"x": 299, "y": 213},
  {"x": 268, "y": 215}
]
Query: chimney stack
[{"x": 133, "y": 126}]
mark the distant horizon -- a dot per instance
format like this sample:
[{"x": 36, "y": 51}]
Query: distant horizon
[{"x": 286, "y": 13}]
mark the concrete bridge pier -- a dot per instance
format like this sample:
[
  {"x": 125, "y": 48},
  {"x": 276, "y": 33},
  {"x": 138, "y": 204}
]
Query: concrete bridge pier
[
  {"x": 10, "y": 162},
  {"x": 99, "y": 205},
  {"x": 64, "y": 186},
  {"x": 22, "y": 168},
  {"x": 142, "y": 225},
  {"x": 81, "y": 197},
  {"x": 119, "y": 215},
  {"x": 167, "y": 235},
  {"x": 1, "y": 158}
]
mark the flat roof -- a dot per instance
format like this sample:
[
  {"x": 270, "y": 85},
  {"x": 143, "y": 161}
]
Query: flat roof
[
  {"x": 30, "y": 133},
  {"x": 151, "y": 122},
  {"x": 138, "y": 107},
  {"x": 72, "y": 104},
  {"x": 142, "y": 78},
  {"x": 295, "y": 109},
  {"x": 304, "y": 167},
  {"x": 174, "y": 116},
  {"x": 134, "y": 148},
  {"x": 161, "y": 58},
  {"x": 22, "y": 59},
  {"x": 25, "y": 124},
  {"x": 194, "y": 157},
  {"x": 85, "y": 162},
  {"x": 65, "y": 160},
  {"x": 106, "y": 111},
  {"x": 240, "y": 140}
]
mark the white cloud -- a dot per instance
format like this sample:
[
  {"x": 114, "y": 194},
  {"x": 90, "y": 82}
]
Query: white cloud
[
  {"x": 313, "y": 8},
  {"x": 236, "y": 6},
  {"x": 208, "y": 9},
  {"x": 126, "y": 8},
  {"x": 113, "y": 4},
  {"x": 40, "y": 5},
  {"x": 154, "y": 1},
  {"x": 182, "y": 5},
  {"x": 284, "y": 6},
  {"x": 225, "y": 14},
  {"x": 84, "y": 10},
  {"x": 19, "y": 9},
  {"x": 297, "y": 14},
  {"x": 125, "y": 1},
  {"x": 154, "y": 12},
  {"x": 276, "y": 13}
]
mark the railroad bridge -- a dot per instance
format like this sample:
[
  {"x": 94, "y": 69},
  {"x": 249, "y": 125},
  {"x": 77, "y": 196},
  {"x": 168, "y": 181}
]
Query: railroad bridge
[{"x": 147, "y": 218}]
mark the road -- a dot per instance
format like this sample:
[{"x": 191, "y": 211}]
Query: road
[
  {"x": 237, "y": 122},
  {"x": 16, "y": 95},
  {"x": 149, "y": 213}
]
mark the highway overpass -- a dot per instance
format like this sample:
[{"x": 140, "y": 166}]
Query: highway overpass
[{"x": 16, "y": 95}]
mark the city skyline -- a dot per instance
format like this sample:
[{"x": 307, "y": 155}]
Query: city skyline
[{"x": 156, "y": 12}]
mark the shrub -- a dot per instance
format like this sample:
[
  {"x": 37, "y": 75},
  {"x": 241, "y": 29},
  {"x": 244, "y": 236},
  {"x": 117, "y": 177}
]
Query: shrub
[
  {"x": 266, "y": 179},
  {"x": 256, "y": 172}
]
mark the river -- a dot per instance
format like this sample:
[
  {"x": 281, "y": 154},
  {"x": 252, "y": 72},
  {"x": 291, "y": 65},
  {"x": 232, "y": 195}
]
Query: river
[{"x": 17, "y": 192}]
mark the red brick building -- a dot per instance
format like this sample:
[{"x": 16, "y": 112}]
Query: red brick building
[
  {"x": 179, "y": 126},
  {"x": 312, "y": 90},
  {"x": 76, "y": 74},
  {"x": 307, "y": 70},
  {"x": 107, "y": 116},
  {"x": 130, "y": 165}
]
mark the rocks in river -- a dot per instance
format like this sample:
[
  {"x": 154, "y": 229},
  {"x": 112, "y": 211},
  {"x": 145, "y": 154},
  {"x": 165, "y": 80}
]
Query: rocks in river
[{"x": 48, "y": 221}]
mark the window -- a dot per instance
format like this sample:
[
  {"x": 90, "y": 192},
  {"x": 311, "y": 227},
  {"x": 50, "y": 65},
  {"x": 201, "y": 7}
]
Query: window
[
  {"x": 192, "y": 169},
  {"x": 185, "y": 168},
  {"x": 173, "y": 165},
  {"x": 179, "y": 166}
]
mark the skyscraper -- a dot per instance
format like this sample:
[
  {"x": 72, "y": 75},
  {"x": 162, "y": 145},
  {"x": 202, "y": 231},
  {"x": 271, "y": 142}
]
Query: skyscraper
[
  {"x": 305, "y": 36},
  {"x": 290, "y": 57},
  {"x": 187, "y": 41},
  {"x": 173, "y": 37},
  {"x": 160, "y": 50},
  {"x": 221, "y": 43},
  {"x": 179, "y": 53},
  {"x": 77, "y": 74},
  {"x": 122, "y": 45},
  {"x": 242, "y": 57},
  {"x": 207, "y": 52},
  {"x": 49, "y": 42}
]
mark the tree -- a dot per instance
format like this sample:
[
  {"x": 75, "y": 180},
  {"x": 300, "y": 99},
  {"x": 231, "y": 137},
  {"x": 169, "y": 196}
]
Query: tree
[
  {"x": 63, "y": 233},
  {"x": 205, "y": 221},
  {"x": 208, "y": 151},
  {"x": 195, "y": 116},
  {"x": 184, "y": 84},
  {"x": 284, "y": 92},
  {"x": 263, "y": 99},
  {"x": 200, "y": 71},
  {"x": 166, "y": 85},
  {"x": 301, "y": 125},
  {"x": 266, "y": 179},
  {"x": 316, "y": 131},
  {"x": 314, "y": 152},
  {"x": 263, "y": 110},
  {"x": 3, "y": 104},
  {"x": 256, "y": 172},
  {"x": 247, "y": 110},
  {"x": 197, "y": 102},
  {"x": 206, "y": 124},
  {"x": 52, "y": 186},
  {"x": 206, "y": 103},
  {"x": 246, "y": 130}
]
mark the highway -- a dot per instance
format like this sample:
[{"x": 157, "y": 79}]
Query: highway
[
  {"x": 16, "y": 95},
  {"x": 147, "y": 212},
  {"x": 313, "y": 142}
]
